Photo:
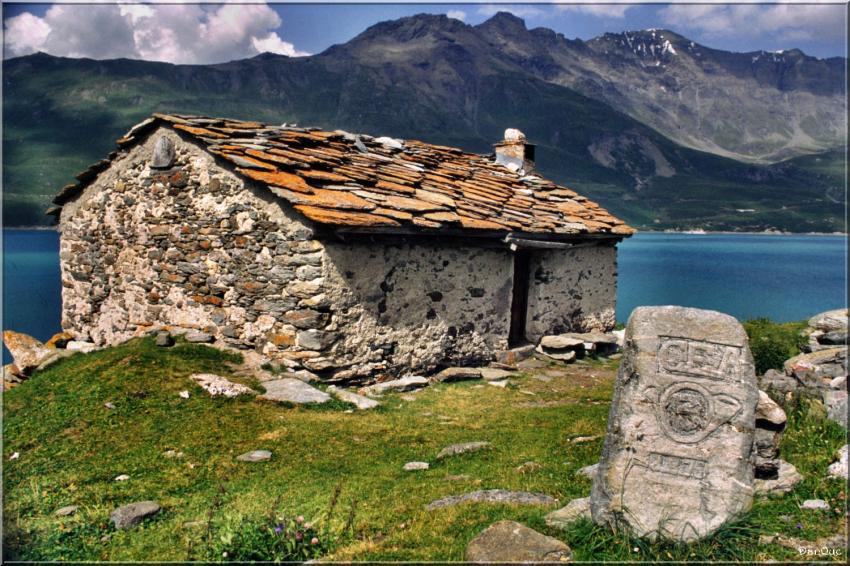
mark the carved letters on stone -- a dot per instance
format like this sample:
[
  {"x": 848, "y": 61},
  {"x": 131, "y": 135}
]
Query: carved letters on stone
[{"x": 676, "y": 461}]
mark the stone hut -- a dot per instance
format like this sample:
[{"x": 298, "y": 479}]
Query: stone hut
[{"x": 344, "y": 254}]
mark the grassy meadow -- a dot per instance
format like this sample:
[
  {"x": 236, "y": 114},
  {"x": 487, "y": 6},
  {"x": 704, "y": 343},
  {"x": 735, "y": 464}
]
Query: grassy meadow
[{"x": 71, "y": 447}]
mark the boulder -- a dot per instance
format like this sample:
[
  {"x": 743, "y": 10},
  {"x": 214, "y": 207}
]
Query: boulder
[
  {"x": 456, "y": 374},
  {"x": 560, "y": 355},
  {"x": 818, "y": 369},
  {"x": 414, "y": 466},
  {"x": 164, "y": 339},
  {"x": 290, "y": 390},
  {"x": 830, "y": 321},
  {"x": 59, "y": 340},
  {"x": 407, "y": 383},
  {"x": 835, "y": 402},
  {"x": 835, "y": 338},
  {"x": 588, "y": 471},
  {"x": 676, "y": 463},
  {"x": 359, "y": 401},
  {"x": 217, "y": 386},
  {"x": 839, "y": 469},
  {"x": 80, "y": 346},
  {"x": 129, "y": 516},
  {"x": 562, "y": 342},
  {"x": 787, "y": 478},
  {"x": 509, "y": 541},
  {"x": 495, "y": 374},
  {"x": 462, "y": 448},
  {"x": 815, "y": 505},
  {"x": 500, "y": 496},
  {"x": 26, "y": 351},
  {"x": 769, "y": 412},
  {"x": 574, "y": 510},
  {"x": 773, "y": 380}
]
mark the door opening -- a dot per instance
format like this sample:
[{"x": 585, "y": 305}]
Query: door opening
[{"x": 519, "y": 301}]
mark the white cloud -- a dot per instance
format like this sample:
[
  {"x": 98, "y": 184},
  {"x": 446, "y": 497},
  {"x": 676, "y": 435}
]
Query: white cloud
[
  {"x": 457, "y": 15},
  {"x": 177, "y": 33},
  {"x": 599, "y": 10},
  {"x": 779, "y": 21}
]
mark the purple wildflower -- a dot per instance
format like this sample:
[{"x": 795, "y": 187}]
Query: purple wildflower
[{"x": 278, "y": 529}]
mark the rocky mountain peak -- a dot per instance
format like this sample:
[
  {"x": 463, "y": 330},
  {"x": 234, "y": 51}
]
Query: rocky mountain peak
[{"x": 503, "y": 23}]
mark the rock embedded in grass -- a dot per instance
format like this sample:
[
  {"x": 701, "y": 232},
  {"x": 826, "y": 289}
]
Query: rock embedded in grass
[
  {"x": 406, "y": 383},
  {"x": 572, "y": 512},
  {"x": 122, "y": 477},
  {"x": 839, "y": 469},
  {"x": 588, "y": 471},
  {"x": 449, "y": 375},
  {"x": 500, "y": 496},
  {"x": 509, "y": 541},
  {"x": 66, "y": 511},
  {"x": 676, "y": 463},
  {"x": 415, "y": 466},
  {"x": 787, "y": 478},
  {"x": 164, "y": 339},
  {"x": 291, "y": 390},
  {"x": 815, "y": 505},
  {"x": 495, "y": 374},
  {"x": 217, "y": 386},
  {"x": 462, "y": 448},
  {"x": 255, "y": 456},
  {"x": 361, "y": 402},
  {"x": 129, "y": 516}
]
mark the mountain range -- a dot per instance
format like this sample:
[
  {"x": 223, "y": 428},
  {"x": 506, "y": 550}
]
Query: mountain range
[{"x": 662, "y": 131}]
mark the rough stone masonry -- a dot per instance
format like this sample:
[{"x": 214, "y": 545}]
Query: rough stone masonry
[{"x": 676, "y": 461}]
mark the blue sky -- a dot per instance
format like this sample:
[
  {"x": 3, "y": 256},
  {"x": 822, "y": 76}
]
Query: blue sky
[{"x": 192, "y": 33}]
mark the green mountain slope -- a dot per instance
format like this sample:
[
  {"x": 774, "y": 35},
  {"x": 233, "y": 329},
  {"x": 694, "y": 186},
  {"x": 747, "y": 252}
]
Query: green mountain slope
[{"x": 424, "y": 77}]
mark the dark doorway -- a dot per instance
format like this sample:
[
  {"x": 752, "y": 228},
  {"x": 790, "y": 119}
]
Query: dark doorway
[{"x": 519, "y": 301}]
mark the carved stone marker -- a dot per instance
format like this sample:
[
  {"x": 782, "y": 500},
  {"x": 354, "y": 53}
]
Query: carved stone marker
[{"x": 677, "y": 457}]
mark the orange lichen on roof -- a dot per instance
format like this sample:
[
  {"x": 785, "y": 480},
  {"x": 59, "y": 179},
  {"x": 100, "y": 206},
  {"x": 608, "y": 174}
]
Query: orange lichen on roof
[{"x": 347, "y": 180}]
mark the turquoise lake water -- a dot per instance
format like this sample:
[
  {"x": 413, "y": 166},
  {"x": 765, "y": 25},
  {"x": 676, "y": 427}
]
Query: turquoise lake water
[{"x": 746, "y": 275}]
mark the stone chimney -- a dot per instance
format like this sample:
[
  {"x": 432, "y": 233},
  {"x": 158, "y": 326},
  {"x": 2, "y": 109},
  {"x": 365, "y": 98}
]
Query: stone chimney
[{"x": 514, "y": 152}]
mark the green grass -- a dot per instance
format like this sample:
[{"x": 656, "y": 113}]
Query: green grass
[
  {"x": 772, "y": 343},
  {"x": 71, "y": 448}
]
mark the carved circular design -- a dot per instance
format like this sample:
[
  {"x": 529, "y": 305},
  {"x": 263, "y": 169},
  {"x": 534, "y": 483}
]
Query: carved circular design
[{"x": 686, "y": 412}]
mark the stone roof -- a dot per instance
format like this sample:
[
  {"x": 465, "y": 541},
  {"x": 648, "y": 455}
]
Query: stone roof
[{"x": 381, "y": 184}]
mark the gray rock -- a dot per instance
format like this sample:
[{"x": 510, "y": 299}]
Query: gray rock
[
  {"x": 588, "y": 471},
  {"x": 508, "y": 541},
  {"x": 164, "y": 339},
  {"x": 195, "y": 336},
  {"x": 413, "y": 466},
  {"x": 129, "y": 516},
  {"x": 80, "y": 346},
  {"x": 501, "y": 383},
  {"x": 163, "y": 153},
  {"x": 773, "y": 380},
  {"x": 456, "y": 374},
  {"x": 767, "y": 410},
  {"x": 463, "y": 448},
  {"x": 561, "y": 342},
  {"x": 407, "y": 383},
  {"x": 830, "y": 321},
  {"x": 835, "y": 402},
  {"x": 359, "y": 401},
  {"x": 66, "y": 511},
  {"x": 574, "y": 510},
  {"x": 530, "y": 364},
  {"x": 835, "y": 338},
  {"x": 818, "y": 369},
  {"x": 560, "y": 355},
  {"x": 291, "y": 390},
  {"x": 839, "y": 469},
  {"x": 216, "y": 385},
  {"x": 255, "y": 456},
  {"x": 501, "y": 496},
  {"x": 787, "y": 478},
  {"x": 495, "y": 374},
  {"x": 815, "y": 504},
  {"x": 839, "y": 382},
  {"x": 676, "y": 459}
]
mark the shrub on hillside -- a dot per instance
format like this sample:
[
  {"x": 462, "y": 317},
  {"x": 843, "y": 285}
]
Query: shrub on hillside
[{"x": 772, "y": 343}]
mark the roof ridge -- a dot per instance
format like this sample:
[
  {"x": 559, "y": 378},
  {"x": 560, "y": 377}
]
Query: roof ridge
[{"x": 360, "y": 181}]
